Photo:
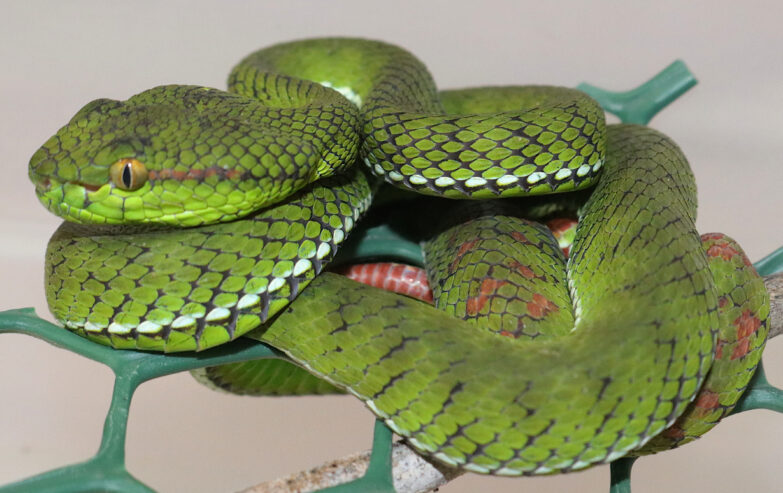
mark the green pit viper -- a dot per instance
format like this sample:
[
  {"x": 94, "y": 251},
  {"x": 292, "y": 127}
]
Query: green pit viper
[{"x": 196, "y": 216}]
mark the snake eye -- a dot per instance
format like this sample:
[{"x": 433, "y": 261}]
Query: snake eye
[{"x": 128, "y": 174}]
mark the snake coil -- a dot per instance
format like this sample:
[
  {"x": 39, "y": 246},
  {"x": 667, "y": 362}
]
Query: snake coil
[{"x": 208, "y": 215}]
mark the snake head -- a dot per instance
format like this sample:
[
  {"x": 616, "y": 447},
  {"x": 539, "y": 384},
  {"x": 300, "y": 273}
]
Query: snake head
[{"x": 175, "y": 155}]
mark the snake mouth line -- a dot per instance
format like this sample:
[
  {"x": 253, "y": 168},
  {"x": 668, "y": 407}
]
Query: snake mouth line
[
  {"x": 86, "y": 186},
  {"x": 45, "y": 185}
]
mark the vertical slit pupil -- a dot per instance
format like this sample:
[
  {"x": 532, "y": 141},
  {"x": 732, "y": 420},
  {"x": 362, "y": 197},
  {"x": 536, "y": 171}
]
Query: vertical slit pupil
[{"x": 127, "y": 177}]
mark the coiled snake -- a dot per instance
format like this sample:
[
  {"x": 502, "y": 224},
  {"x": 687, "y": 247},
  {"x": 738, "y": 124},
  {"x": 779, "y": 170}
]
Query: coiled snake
[{"x": 196, "y": 216}]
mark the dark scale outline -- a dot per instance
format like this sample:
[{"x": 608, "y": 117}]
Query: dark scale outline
[
  {"x": 485, "y": 229},
  {"x": 352, "y": 192},
  {"x": 380, "y": 123}
]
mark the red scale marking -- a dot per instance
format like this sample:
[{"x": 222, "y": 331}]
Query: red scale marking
[
  {"x": 741, "y": 349},
  {"x": 747, "y": 324},
  {"x": 463, "y": 249},
  {"x": 719, "y": 348},
  {"x": 559, "y": 225},
  {"x": 723, "y": 248},
  {"x": 712, "y": 236},
  {"x": 540, "y": 306},
  {"x": 674, "y": 432},
  {"x": 707, "y": 401},
  {"x": 398, "y": 278},
  {"x": 523, "y": 269},
  {"x": 488, "y": 287}
]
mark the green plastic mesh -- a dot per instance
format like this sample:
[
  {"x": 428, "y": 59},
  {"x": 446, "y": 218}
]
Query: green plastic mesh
[{"x": 106, "y": 471}]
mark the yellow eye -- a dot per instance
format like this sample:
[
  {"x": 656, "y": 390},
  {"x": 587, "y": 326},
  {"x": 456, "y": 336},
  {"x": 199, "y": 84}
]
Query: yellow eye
[{"x": 128, "y": 174}]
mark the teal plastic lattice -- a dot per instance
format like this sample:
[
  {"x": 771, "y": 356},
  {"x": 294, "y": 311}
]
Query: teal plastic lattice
[{"x": 106, "y": 471}]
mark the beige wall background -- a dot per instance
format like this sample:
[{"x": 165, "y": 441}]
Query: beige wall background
[{"x": 56, "y": 56}]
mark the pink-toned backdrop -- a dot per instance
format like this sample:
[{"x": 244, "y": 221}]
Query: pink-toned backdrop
[{"x": 56, "y": 56}]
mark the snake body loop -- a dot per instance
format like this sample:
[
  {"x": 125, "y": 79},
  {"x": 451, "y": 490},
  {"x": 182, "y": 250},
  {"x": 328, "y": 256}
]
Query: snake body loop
[
  {"x": 198, "y": 287},
  {"x": 495, "y": 405},
  {"x": 637, "y": 312},
  {"x": 553, "y": 139}
]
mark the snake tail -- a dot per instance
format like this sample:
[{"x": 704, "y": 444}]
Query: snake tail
[{"x": 743, "y": 303}]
